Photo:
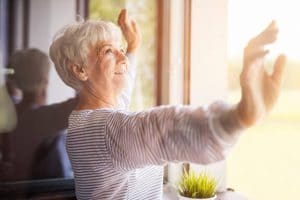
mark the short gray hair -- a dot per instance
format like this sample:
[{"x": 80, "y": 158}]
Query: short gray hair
[
  {"x": 72, "y": 43},
  {"x": 31, "y": 69}
]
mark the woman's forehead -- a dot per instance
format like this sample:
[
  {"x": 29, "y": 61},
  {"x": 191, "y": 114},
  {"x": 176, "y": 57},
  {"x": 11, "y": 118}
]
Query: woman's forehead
[
  {"x": 104, "y": 43},
  {"x": 101, "y": 44},
  {"x": 115, "y": 43}
]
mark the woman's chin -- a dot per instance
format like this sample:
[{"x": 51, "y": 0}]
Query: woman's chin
[
  {"x": 120, "y": 89},
  {"x": 121, "y": 85}
]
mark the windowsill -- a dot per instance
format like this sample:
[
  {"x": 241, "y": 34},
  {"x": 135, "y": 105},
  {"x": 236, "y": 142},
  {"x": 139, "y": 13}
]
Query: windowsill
[{"x": 171, "y": 194}]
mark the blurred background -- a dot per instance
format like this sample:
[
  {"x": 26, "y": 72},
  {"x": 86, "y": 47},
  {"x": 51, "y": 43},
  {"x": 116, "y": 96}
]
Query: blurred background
[{"x": 191, "y": 54}]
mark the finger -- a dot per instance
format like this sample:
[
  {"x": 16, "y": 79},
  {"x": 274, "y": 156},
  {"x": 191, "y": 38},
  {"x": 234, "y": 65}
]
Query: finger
[
  {"x": 126, "y": 18},
  {"x": 121, "y": 17},
  {"x": 134, "y": 26},
  {"x": 267, "y": 36},
  {"x": 121, "y": 21},
  {"x": 264, "y": 38},
  {"x": 271, "y": 26},
  {"x": 279, "y": 68},
  {"x": 269, "y": 31}
]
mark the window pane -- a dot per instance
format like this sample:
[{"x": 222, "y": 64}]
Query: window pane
[
  {"x": 145, "y": 13},
  {"x": 265, "y": 164}
]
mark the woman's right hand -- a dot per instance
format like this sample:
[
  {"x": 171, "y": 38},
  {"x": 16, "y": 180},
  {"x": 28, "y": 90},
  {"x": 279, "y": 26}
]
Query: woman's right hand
[{"x": 130, "y": 31}]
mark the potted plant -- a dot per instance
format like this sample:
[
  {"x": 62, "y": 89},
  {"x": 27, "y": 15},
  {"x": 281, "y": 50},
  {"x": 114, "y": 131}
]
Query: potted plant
[{"x": 201, "y": 187}]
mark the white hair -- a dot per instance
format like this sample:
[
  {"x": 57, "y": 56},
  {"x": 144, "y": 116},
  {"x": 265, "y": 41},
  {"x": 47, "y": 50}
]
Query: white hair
[{"x": 72, "y": 44}]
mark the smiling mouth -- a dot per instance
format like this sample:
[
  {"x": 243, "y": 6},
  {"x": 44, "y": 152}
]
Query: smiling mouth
[
  {"x": 119, "y": 73},
  {"x": 122, "y": 70}
]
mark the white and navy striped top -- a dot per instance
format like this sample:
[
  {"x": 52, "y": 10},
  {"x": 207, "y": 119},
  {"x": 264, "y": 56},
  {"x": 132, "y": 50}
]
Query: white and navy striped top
[{"x": 116, "y": 154}]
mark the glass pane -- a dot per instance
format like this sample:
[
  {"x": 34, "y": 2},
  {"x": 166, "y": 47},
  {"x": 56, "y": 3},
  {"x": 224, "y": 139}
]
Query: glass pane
[
  {"x": 265, "y": 164},
  {"x": 145, "y": 13}
]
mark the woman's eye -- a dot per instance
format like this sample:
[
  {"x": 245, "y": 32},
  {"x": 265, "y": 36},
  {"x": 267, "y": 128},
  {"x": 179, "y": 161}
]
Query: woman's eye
[
  {"x": 107, "y": 51},
  {"x": 122, "y": 50}
]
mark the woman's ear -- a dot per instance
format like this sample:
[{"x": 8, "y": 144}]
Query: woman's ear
[{"x": 79, "y": 72}]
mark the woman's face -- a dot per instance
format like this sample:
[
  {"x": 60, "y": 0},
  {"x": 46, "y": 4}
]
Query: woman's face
[{"x": 107, "y": 68}]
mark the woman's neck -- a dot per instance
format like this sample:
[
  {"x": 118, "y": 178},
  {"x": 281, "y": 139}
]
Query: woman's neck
[{"x": 88, "y": 100}]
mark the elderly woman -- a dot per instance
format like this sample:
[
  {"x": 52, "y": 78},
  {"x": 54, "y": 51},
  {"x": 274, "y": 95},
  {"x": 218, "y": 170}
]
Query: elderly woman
[{"x": 117, "y": 154}]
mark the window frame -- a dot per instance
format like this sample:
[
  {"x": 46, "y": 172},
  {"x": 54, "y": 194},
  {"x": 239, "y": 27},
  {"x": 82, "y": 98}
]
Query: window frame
[{"x": 195, "y": 59}]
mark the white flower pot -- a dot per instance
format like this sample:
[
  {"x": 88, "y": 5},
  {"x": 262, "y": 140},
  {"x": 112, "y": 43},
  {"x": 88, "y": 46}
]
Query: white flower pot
[{"x": 188, "y": 198}]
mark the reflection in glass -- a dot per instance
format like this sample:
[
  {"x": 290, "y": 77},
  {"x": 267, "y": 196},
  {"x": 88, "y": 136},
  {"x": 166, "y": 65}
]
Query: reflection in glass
[{"x": 35, "y": 148}]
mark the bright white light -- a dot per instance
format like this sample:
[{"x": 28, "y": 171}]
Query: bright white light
[{"x": 248, "y": 17}]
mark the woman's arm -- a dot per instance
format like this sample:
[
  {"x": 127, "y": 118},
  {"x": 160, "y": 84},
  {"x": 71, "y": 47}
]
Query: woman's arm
[
  {"x": 197, "y": 135},
  {"x": 170, "y": 133},
  {"x": 132, "y": 36},
  {"x": 125, "y": 98}
]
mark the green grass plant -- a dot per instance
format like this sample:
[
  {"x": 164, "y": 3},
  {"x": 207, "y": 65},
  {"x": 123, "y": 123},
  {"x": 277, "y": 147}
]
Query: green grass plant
[{"x": 197, "y": 186}]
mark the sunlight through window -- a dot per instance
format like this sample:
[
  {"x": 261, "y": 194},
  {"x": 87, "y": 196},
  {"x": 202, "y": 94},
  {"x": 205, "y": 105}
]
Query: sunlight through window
[{"x": 265, "y": 164}]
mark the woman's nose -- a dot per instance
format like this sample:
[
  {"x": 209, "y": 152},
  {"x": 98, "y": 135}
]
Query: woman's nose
[{"x": 121, "y": 55}]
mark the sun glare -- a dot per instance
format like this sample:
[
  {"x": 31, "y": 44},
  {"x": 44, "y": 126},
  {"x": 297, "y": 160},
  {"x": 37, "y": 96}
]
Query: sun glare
[
  {"x": 265, "y": 164},
  {"x": 248, "y": 18}
]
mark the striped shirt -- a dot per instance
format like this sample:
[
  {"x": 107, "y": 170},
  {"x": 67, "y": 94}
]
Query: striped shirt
[{"x": 117, "y": 154}]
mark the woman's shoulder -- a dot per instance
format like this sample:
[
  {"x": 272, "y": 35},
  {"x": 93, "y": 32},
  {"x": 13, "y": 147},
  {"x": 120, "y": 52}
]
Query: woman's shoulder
[
  {"x": 95, "y": 115},
  {"x": 110, "y": 115},
  {"x": 87, "y": 116}
]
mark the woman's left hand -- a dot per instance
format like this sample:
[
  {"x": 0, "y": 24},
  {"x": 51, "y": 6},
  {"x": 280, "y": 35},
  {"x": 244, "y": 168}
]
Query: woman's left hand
[
  {"x": 130, "y": 31},
  {"x": 260, "y": 90}
]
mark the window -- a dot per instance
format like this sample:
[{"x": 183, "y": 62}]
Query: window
[
  {"x": 208, "y": 65},
  {"x": 145, "y": 13},
  {"x": 265, "y": 163},
  {"x": 163, "y": 23}
]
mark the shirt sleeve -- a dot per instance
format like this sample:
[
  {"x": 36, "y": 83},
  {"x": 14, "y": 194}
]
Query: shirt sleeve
[
  {"x": 170, "y": 133},
  {"x": 125, "y": 98}
]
